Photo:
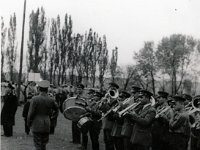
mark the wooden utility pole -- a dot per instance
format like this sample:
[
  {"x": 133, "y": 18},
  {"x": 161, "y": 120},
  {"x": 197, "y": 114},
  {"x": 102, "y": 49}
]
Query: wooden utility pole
[{"x": 21, "y": 53}]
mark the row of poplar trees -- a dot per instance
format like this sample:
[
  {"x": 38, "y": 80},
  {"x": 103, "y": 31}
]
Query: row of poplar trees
[{"x": 57, "y": 53}]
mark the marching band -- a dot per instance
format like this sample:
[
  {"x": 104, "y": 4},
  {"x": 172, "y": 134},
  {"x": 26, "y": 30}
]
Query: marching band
[
  {"x": 141, "y": 122},
  {"x": 136, "y": 121}
]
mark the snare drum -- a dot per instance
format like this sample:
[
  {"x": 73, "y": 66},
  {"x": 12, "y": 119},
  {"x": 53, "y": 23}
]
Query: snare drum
[
  {"x": 83, "y": 122},
  {"x": 73, "y": 108}
]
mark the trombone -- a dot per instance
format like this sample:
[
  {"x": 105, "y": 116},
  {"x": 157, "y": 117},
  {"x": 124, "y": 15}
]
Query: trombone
[
  {"x": 116, "y": 107},
  {"x": 134, "y": 105}
]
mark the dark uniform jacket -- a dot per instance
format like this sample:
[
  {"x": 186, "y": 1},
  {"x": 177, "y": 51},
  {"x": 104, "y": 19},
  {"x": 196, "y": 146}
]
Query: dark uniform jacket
[
  {"x": 141, "y": 134},
  {"x": 9, "y": 109},
  {"x": 39, "y": 113},
  {"x": 180, "y": 124}
]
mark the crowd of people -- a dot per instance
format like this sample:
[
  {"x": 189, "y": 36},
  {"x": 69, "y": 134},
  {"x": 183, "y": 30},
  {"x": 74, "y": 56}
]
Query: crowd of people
[{"x": 135, "y": 120}]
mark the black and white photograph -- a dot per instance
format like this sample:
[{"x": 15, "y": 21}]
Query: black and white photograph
[{"x": 100, "y": 75}]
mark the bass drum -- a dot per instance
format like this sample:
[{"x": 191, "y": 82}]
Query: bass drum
[{"x": 74, "y": 108}]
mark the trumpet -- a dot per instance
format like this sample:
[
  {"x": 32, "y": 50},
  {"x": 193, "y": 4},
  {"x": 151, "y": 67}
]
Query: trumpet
[
  {"x": 116, "y": 107},
  {"x": 129, "y": 108},
  {"x": 162, "y": 111}
]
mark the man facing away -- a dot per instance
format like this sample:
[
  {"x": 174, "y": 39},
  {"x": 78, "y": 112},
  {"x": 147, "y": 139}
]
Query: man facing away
[{"x": 38, "y": 115}]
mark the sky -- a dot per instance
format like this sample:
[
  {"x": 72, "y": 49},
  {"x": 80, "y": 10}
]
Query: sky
[{"x": 127, "y": 24}]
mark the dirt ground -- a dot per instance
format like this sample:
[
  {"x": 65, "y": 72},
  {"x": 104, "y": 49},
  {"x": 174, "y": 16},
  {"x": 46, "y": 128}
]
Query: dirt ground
[{"x": 59, "y": 141}]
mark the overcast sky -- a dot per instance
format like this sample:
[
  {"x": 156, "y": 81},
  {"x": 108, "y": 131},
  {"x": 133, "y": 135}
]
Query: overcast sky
[{"x": 126, "y": 23}]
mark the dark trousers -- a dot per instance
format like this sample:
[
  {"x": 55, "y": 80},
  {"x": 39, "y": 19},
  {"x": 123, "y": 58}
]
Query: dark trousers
[
  {"x": 27, "y": 129},
  {"x": 127, "y": 143},
  {"x": 160, "y": 144},
  {"x": 84, "y": 133},
  {"x": 94, "y": 131},
  {"x": 40, "y": 140},
  {"x": 139, "y": 147},
  {"x": 8, "y": 130},
  {"x": 52, "y": 130},
  {"x": 195, "y": 143},
  {"x": 118, "y": 143},
  {"x": 108, "y": 140},
  {"x": 76, "y": 134},
  {"x": 178, "y": 141}
]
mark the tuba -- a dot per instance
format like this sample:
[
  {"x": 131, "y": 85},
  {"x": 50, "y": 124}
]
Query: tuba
[
  {"x": 195, "y": 126},
  {"x": 194, "y": 106}
]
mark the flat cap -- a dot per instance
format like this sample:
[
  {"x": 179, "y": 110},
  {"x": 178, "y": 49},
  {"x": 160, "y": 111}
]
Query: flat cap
[
  {"x": 178, "y": 98},
  {"x": 80, "y": 86},
  {"x": 187, "y": 97},
  {"x": 44, "y": 84},
  {"x": 91, "y": 91},
  {"x": 162, "y": 94},
  {"x": 145, "y": 92},
  {"x": 10, "y": 86},
  {"x": 136, "y": 88},
  {"x": 98, "y": 94},
  {"x": 112, "y": 84},
  {"x": 124, "y": 94}
]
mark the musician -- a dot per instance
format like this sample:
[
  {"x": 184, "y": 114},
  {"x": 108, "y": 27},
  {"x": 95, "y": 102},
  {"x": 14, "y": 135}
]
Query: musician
[
  {"x": 195, "y": 127},
  {"x": 38, "y": 115},
  {"x": 60, "y": 98},
  {"x": 160, "y": 127},
  {"x": 179, "y": 126},
  {"x": 76, "y": 133},
  {"x": 108, "y": 121},
  {"x": 117, "y": 127},
  {"x": 127, "y": 126},
  {"x": 141, "y": 137},
  {"x": 95, "y": 125},
  {"x": 188, "y": 99}
]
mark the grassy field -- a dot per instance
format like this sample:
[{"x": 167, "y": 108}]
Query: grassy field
[{"x": 59, "y": 141}]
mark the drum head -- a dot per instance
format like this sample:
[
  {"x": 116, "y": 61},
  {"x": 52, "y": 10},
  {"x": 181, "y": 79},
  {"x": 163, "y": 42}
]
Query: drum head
[{"x": 74, "y": 112}]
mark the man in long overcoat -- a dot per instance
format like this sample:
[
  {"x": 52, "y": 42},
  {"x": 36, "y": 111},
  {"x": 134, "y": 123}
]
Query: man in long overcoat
[{"x": 8, "y": 111}]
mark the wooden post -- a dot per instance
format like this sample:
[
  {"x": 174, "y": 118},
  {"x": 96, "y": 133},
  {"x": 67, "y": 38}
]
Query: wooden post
[{"x": 21, "y": 53}]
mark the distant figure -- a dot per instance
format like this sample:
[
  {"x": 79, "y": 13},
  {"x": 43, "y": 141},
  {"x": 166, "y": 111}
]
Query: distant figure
[
  {"x": 39, "y": 115},
  {"x": 8, "y": 111},
  {"x": 25, "y": 115}
]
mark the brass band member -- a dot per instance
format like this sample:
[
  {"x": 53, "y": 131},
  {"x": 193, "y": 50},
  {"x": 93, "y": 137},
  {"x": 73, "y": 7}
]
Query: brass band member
[
  {"x": 179, "y": 126},
  {"x": 160, "y": 128},
  {"x": 95, "y": 125},
  {"x": 108, "y": 121},
  {"x": 128, "y": 124},
  {"x": 195, "y": 127},
  {"x": 76, "y": 134},
  {"x": 117, "y": 127},
  {"x": 141, "y": 137}
]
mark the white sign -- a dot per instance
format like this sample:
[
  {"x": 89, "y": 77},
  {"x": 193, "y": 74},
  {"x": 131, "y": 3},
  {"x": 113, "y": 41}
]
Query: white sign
[{"x": 34, "y": 77}]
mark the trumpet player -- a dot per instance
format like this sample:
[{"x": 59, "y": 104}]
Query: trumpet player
[
  {"x": 108, "y": 121},
  {"x": 179, "y": 127},
  {"x": 160, "y": 127},
  {"x": 141, "y": 137},
  {"x": 127, "y": 126},
  {"x": 117, "y": 127}
]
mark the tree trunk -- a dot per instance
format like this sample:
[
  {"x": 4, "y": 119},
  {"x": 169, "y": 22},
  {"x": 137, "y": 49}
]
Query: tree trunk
[{"x": 153, "y": 83}]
